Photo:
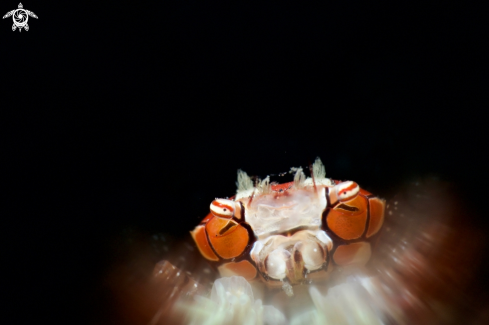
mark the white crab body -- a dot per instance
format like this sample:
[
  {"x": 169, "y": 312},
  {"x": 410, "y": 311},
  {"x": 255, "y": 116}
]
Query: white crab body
[{"x": 270, "y": 214}]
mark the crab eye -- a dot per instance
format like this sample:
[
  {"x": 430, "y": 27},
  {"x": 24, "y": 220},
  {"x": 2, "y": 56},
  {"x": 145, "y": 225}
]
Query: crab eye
[
  {"x": 222, "y": 208},
  {"x": 347, "y": 190}
]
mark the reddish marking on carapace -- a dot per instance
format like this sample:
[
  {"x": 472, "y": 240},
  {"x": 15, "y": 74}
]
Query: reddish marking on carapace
[
  {"x": 251, "y": 198},
  {"x": 283, "y": 187},
  {"x": 224, "y": 206}
]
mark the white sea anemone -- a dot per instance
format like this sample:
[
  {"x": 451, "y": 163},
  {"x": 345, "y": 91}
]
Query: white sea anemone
[
  {"x": 355, "y": 302},
  {"x": 345, "y": 304},
  {"x": 231, "y": 302}
]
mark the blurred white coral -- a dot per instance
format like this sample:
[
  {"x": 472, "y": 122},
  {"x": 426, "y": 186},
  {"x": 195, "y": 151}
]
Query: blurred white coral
[
  {"x": 345, "y": 304},
  {"x": 356, "y": 302},
  {"x": 232, "y": 302}
]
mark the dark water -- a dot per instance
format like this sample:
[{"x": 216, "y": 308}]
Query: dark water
[{"x": 123, "y": 122}]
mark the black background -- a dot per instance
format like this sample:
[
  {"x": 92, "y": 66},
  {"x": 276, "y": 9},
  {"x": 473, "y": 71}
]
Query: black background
[{"x": 136, "y": 115}]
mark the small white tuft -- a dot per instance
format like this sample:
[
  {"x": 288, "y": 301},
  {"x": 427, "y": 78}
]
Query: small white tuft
[
  {"x": 264, "y": 186},
  {"x": 299, "y": 178},
  {"x": 244, "y": 182},
  {"x": 318, "y": 169}
]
